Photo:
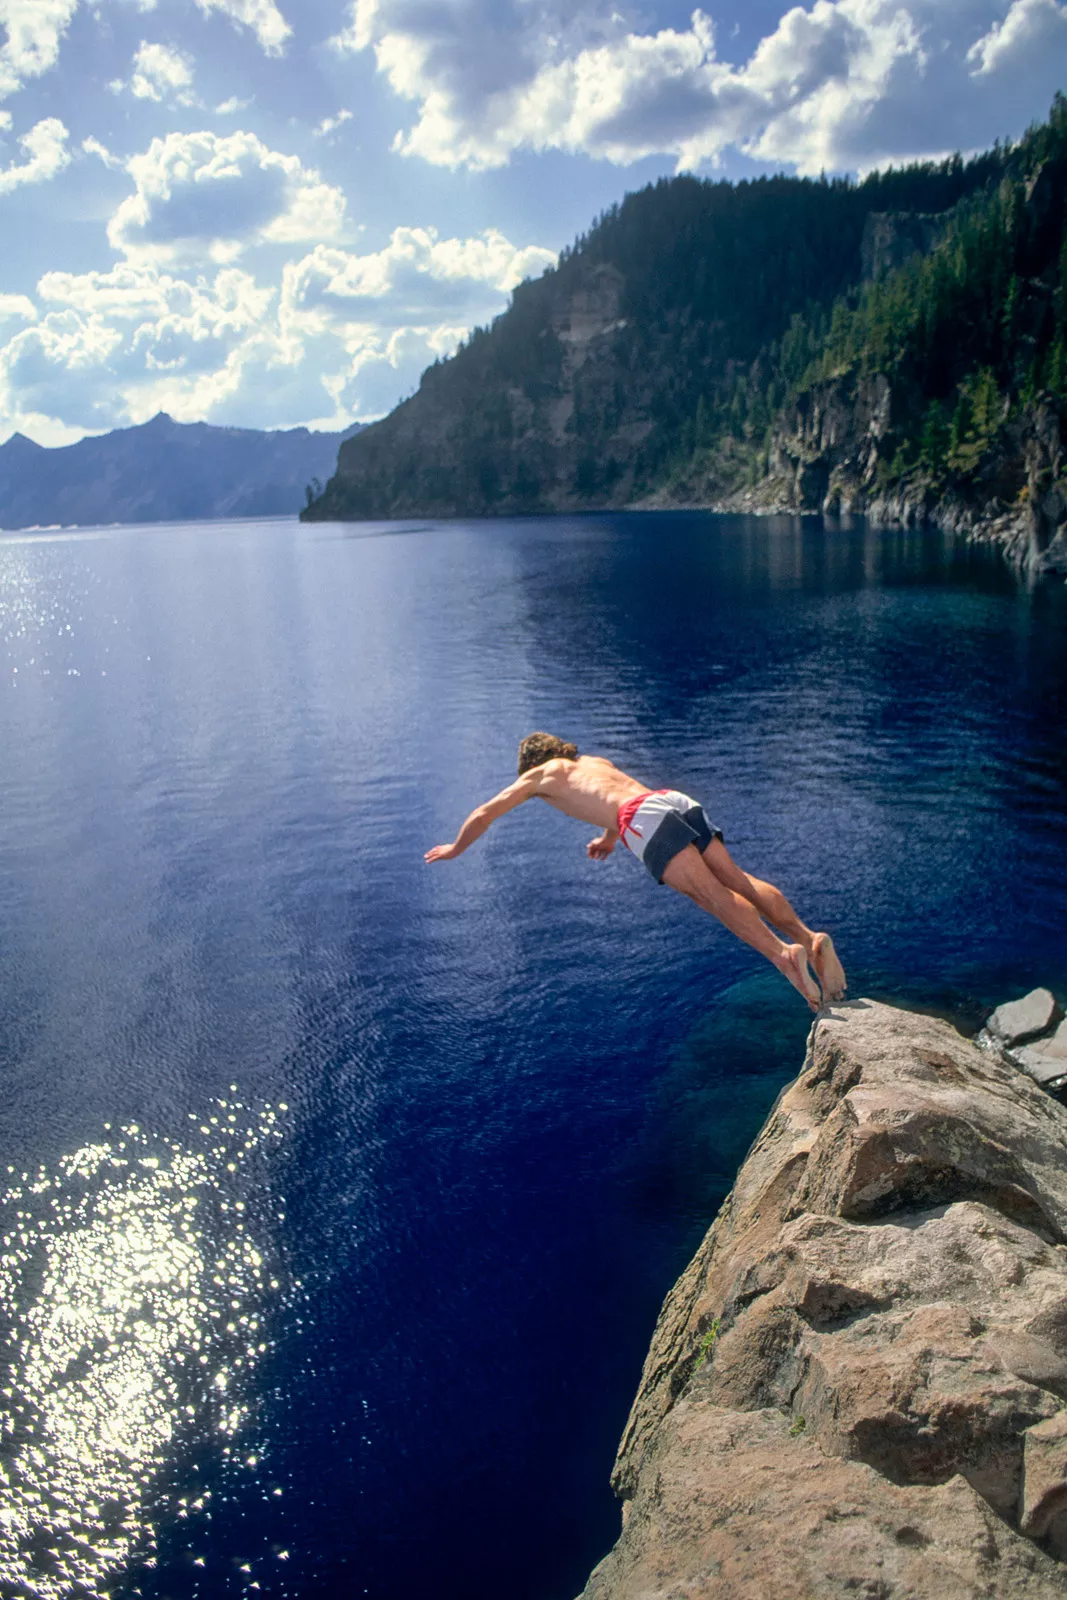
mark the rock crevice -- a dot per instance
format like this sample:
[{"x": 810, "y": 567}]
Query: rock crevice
[{"x": 859, "y": 1385}]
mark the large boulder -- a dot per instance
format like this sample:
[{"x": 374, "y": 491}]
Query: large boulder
[
  {"x": 1020, "y": 1020},
  {"x": 1046, "y": 1059},
  {"x": 858, "y": 1385}
]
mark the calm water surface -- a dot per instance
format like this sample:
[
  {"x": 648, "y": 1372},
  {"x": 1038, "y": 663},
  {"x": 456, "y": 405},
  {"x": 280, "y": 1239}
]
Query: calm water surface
[{"x": 340, "y": 1193}]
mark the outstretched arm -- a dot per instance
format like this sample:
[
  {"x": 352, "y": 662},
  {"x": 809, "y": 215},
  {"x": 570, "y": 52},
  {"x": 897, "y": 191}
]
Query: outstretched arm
[{"x": 523, "y": 788}]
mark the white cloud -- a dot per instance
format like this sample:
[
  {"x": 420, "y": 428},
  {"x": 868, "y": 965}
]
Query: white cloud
[
  {"x": 837, "y": 83},
  {"x": 45, "y": 149},
  {"x": 388, "y": 314},
  {"x": 227, "y": 108},
  {"x": 206, "y": 195},
  {"x": 112, "y": 346},
  {"x": 1030, "y": 29},
  {"x": 160, "y": 73},
  {"x": 17, "y": 305},
  {"x": 347, "y": 336},
  {"x": 34, "y": 29},
  {"x": 416, "y": 281},
  {"x": 262, "y": 16},
  {"x": 93, "y": 147},
  {"x": 330, "y": 125}
]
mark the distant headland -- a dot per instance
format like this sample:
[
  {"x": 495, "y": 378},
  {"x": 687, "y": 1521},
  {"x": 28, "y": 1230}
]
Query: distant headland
[{"x": 896, "y": 347}]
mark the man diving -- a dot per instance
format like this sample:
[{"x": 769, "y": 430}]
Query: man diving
[{"x": 669, "y": 832}]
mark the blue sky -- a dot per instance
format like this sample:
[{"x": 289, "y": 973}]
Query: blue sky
[{"x": 272, "y": 212}]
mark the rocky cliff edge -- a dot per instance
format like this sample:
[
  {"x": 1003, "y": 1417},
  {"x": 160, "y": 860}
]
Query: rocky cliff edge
[
  {"x": 827, "y": 449},
  {"x": 859, "y": 1386}
]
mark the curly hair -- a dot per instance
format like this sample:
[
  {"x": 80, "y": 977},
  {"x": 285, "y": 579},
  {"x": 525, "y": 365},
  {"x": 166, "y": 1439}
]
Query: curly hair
[{"x": 537, "y": 748}]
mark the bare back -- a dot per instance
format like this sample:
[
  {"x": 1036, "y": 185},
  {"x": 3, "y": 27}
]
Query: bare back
[{"x": 589, "y": 789}]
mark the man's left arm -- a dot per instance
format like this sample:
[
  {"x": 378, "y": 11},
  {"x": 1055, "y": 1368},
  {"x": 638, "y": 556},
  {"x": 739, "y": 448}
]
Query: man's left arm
[{"x": 483, "y": 816}]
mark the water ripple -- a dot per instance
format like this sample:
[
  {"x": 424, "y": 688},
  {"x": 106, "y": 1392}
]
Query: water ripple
[{"x": 134, "y": 1283}]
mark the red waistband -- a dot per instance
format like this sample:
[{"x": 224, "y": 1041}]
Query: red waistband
[{"x": 627, "y": 809}]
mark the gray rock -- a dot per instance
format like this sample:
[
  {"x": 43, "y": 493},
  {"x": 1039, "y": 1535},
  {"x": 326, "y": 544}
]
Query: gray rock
[
  {"x": 775, "y": 1517},
  {"x": 1020, "y": 1020},
  {"x": 857, "y": 1386},
  {"x": 1046, "y": 1060},
  {"x": 1044, "y": 1498},
  {"x": 892, "y": 237}
]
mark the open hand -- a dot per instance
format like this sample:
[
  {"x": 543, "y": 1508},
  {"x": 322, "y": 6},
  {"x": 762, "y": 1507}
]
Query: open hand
[
  {"x": 599, "y": 849},
  {"x": 440, "y": 852}
]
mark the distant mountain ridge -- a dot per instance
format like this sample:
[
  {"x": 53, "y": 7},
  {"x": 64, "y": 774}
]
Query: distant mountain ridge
[{"x": 163, "y": 471}]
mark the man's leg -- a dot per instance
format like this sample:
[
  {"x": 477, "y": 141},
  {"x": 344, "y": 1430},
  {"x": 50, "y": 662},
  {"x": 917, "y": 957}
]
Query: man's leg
[
  {"x": 689, "y": 874},
  {"x": 772, "y": 905}
]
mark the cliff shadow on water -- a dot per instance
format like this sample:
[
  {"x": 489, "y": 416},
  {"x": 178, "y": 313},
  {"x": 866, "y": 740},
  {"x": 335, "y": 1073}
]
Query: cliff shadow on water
[
  {"x": 719, "y": 1085},
  {"x": 714, "y": 1093}
]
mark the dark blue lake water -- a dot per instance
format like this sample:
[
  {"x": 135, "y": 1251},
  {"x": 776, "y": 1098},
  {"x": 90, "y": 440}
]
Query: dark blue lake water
[{"x": 341, "y": 1192}]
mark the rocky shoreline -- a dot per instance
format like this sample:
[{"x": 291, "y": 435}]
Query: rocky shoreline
[
  {"x": 825, "y": 455},
  {"x": 1031, "y": 1033},
  {"x": 859, "y": 1385}
]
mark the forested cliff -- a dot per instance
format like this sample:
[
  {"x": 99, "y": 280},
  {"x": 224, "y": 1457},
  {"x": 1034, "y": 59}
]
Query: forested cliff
[{"x": 897, "y": 346}]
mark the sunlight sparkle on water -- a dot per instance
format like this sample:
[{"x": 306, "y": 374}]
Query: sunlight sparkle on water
[{"x": 133, "y": 1286}]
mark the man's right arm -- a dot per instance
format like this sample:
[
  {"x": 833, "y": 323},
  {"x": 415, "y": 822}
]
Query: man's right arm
[
  {"x": 480, "y": 820},
  {"x": 600, "y": 848}
]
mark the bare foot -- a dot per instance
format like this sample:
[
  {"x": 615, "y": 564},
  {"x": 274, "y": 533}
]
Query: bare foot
[
  {"x": 828, "y": 969},
  {"x": 793, "y": 965}
]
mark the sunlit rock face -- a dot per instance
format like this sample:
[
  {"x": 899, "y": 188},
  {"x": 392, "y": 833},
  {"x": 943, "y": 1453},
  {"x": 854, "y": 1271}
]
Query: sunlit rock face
[
  {"x": 858, "y": 1385},
  {"x": 135, "y": 1279},
  {"x": 469, "y": 444}
]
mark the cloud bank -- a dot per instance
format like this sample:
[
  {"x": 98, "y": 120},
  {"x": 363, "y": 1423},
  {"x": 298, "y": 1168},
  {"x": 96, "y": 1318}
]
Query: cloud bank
[
  {"x": 346, "y": 335},
  {"x": 837, "y": 84},
  {"x": 312, "y": 331}
]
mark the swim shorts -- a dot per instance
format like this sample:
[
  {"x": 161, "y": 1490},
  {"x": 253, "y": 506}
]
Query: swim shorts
[{"x": 658, "y": 825}]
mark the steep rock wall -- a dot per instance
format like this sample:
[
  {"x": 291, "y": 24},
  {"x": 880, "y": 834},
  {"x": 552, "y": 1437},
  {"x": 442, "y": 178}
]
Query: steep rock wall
[
  {"x": 828, "y": 452},
  {"x": 890, "y": 238},
  {"x": 484, "y": 435},
  {"x": 859, "y": 1385}
]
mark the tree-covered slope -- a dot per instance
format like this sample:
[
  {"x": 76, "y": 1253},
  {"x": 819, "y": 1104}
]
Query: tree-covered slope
[
  {"x": 607, "y": 373},
  {"x": 939, "y": 389}
]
